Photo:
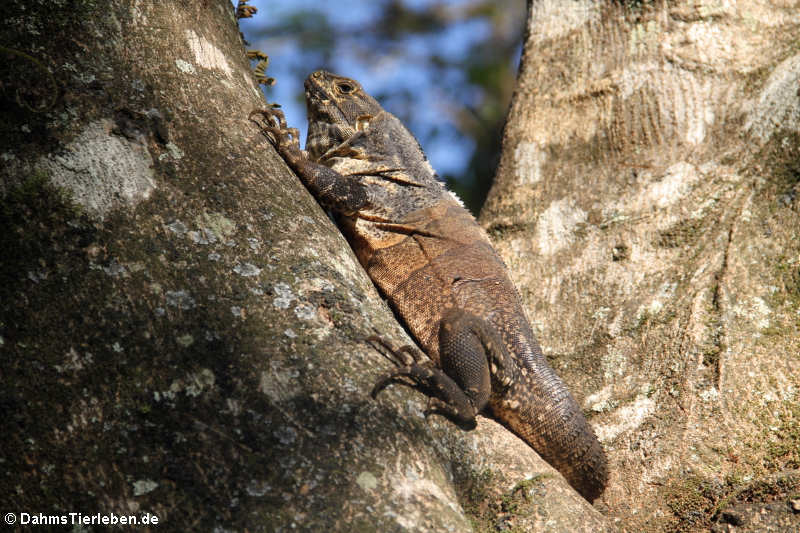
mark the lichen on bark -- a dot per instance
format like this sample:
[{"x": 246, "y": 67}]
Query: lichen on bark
[{"x": 665, "y": 239}]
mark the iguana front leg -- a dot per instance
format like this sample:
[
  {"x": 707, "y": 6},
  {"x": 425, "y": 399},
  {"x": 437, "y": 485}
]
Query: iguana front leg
[
  {"x": 343, "y": 194},
  {"x": 474, "y": 364}
]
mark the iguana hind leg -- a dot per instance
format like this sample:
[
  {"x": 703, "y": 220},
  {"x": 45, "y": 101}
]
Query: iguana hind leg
[
  {"x": 473, "y": 354},
  {"x": 473, "y": 361},
  {"x": 445, "y": 397}
]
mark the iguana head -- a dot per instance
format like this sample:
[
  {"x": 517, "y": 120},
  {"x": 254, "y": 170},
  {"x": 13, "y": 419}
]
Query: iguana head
[{"x": 335, "y": 105}]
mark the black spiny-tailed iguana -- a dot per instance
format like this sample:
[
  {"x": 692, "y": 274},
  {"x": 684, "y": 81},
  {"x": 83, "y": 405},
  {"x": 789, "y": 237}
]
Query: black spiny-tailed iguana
[{"x": 439, "y": 272}]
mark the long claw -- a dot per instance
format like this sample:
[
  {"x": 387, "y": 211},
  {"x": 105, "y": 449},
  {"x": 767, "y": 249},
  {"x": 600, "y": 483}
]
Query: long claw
[
  {"x": 269, "y": 114},
  {"x": 395, "y": 355},
  {"x": 273, "y": 124},
  {"x": 384, "y": 381}
]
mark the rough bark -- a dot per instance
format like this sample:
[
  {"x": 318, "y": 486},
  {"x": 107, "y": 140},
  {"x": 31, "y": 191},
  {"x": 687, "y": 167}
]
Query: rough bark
[
  {"x": 181, "y": 326},
  {"x": 647, "y": 203}
]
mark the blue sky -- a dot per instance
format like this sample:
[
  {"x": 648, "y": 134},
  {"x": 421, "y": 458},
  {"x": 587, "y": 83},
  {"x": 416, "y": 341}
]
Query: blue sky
[{"x": 399, "y": 69}]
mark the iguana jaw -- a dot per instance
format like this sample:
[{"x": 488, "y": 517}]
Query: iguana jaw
[{"x": 334, "y": 105}]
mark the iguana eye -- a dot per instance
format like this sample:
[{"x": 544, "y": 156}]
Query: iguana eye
[{"x": 346, "y": 88}]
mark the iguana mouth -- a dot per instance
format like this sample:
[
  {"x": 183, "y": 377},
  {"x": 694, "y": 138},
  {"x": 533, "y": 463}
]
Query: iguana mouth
[
  {"x": 314, "y": 91},
  {"x": 328, "y": 122}
]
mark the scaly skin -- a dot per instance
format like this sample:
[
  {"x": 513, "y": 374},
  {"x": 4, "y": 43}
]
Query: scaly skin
[{"x": 437, "y": 269}]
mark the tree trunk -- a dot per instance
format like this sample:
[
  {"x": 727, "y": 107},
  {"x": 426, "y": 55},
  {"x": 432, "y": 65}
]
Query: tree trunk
[
  {"x": 182, "y": 328},
  {"x": 647, "y": 205}
]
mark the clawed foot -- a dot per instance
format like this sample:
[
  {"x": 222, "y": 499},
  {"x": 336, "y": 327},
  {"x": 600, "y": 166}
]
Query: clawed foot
[
  {"x": 405, "y": 355},
  {"x": 273, "y": 124},
  {"x": 405, "y": 359},
  {"x": 444, "y": 395}
]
